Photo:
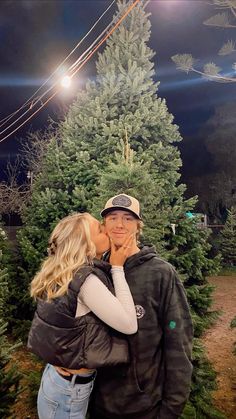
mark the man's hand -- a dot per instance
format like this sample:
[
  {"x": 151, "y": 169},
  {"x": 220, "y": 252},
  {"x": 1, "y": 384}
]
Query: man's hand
[{"x": 119, "y": 256}]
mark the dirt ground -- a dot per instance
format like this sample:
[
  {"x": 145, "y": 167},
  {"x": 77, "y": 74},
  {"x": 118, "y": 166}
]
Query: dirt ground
[{"x": 219, "y": 344}]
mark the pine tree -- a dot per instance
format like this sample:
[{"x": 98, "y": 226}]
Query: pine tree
[
  {"x": 123, "y": 99},
  {"x": 17, "y": 302},
  {"x": 9, "y": 378},
  {"x": 227, "y": 239},
  {"x": 7, "y": 268},
  {"x": 187, "y": 249},
  {"x": 3, "y": 291},
  {"x": 127, "y": 174},
  {"x": 189, "y": 252},
  {"x": 77, "y": 176}
]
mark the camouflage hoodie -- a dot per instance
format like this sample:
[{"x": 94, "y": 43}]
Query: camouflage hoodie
[{"x": 160, "y": 371}]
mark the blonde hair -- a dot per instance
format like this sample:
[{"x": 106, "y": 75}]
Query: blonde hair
[
  {"x": 70, "y": 247},
  {"x": 140, "y": 226}
]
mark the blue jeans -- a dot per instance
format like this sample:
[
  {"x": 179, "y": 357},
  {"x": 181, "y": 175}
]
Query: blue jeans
[{"x": 62, "y": 399}]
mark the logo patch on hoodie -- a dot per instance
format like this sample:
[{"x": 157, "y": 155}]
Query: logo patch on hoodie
[{"x": 140, "y": 311}]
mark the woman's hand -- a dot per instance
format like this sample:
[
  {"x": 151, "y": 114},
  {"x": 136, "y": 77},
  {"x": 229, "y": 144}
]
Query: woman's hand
[{"x": 119, "y": 255}]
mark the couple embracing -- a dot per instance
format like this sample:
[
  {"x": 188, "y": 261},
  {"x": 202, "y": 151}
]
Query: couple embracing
[{"x": 111, "y": 317}]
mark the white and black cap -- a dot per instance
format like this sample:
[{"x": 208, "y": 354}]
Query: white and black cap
[{"x": 122, "y": 202}]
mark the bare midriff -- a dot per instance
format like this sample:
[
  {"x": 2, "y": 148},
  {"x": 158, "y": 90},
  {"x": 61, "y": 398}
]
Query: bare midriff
[{"x": 67, "y": 371}]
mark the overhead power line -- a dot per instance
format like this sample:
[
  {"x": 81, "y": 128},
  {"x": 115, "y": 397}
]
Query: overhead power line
[
  {"x": 30, "y": 100},
  {"x": 119, "y": 20}
]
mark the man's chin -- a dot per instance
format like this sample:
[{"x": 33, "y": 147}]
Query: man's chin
[{"x": 118, "y": 241}]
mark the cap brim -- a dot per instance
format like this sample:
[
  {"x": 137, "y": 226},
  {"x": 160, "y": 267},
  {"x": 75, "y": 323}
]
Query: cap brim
[{"x": 107, "y": 210}]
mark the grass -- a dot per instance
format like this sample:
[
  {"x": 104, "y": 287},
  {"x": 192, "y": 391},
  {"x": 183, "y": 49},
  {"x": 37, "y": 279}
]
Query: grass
[
  {"x": 227, "y": 271},
  {"x": 233, "y": 323}
]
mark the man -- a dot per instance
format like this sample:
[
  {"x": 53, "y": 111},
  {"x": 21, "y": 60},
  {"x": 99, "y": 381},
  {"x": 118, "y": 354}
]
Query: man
[{"x": 156, "y": 383}]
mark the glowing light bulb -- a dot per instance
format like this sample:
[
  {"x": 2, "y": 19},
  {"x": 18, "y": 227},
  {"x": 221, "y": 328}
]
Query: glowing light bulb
[{"x": 66, "y": 82}]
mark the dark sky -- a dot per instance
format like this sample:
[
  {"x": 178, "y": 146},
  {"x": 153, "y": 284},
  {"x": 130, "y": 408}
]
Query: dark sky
[{"x": 36, "y": 35}]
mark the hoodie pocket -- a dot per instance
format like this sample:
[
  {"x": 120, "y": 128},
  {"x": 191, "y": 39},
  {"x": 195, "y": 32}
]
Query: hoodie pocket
[{"x": 136, "y": 378}]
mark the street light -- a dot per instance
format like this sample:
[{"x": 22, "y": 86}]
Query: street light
[{"x": 66, "y": 82}]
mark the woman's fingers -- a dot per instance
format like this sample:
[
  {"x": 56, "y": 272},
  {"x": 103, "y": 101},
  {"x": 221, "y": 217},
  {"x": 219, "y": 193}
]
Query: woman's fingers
[
  {"x": 119, "y": 255},
  {"x": 129, "y": 241}
]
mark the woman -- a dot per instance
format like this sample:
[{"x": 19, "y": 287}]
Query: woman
[{"x": 74, "y": 306}]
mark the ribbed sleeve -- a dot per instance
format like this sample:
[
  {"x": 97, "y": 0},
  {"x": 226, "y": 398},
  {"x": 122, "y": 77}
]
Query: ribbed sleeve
[{"x": 117, "y": 311}]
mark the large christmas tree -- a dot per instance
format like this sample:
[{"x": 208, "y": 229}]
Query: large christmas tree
[
  {"x": 9, "y": 377},
  {"x": 122, "y": 100},
  {"x": 82, "y": 169}
]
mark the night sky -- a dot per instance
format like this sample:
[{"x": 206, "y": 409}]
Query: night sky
[{"x": 36, "y": 35}]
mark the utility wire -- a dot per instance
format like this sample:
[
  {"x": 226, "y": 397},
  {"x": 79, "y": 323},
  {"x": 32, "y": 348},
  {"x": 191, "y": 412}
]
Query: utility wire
[
  {"x": 82, "y": 64},
  {"x": 7, "y": 118},
  {"x": 78, "y": 61},
  {"x": 38, "y": 99}
]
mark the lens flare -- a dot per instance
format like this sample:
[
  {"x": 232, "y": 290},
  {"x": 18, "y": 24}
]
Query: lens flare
[{"x": 66, "y": 82}]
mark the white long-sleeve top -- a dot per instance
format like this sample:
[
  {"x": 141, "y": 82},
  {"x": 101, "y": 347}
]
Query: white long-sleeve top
[{"x": 117, "y": 311}]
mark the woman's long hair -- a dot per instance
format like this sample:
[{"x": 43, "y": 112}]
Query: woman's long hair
[{"x": 70, "y": 247}]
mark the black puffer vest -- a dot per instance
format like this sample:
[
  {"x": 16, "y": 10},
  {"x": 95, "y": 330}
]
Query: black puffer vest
[{"x": 60, "y": 338}]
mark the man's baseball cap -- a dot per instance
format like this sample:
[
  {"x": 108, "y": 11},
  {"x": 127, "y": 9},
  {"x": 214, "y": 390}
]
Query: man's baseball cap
[{"x": 122, "y": 202}]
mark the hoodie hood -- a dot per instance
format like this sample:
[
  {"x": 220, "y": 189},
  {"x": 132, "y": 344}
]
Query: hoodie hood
[{"x": 145, "y": 254}]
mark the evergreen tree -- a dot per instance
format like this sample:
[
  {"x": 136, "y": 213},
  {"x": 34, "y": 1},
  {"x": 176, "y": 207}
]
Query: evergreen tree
[
  {"x": 227, "y": 239},
  {"x": 123, "y": 99},
  {"x": 76, "y": 175},
  {"x": 17, "y": 302},
  {"x": 127, "y": 174},
  {"x": 200, "y": 404},
  {"x": 7, "y": 267},
  {"x": 5, "y": 252},
  {"x": 9, "y": 378},
  {"x": 187, "y": 250}
]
